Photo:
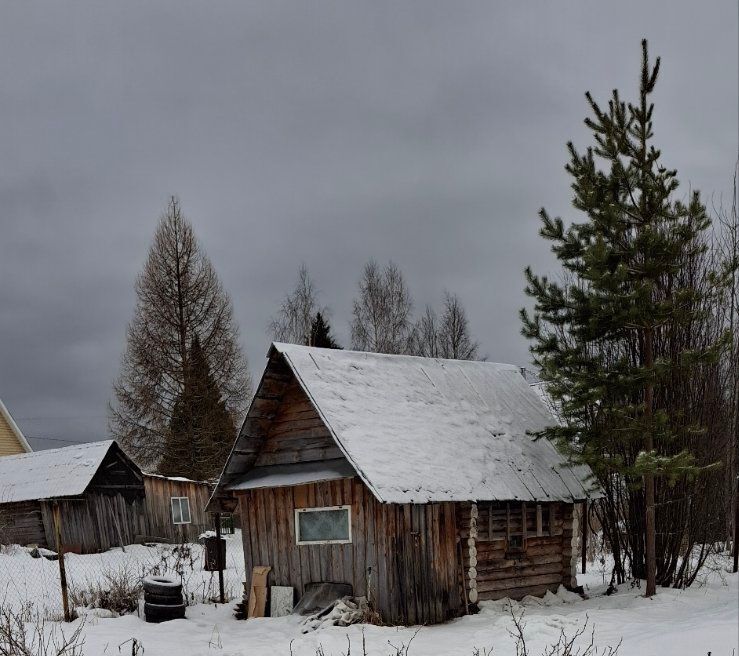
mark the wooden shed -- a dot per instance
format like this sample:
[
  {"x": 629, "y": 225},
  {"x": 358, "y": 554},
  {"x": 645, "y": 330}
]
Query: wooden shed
[
  {"x": 415, "y": 480},
  {"x": 104, "y": 500}
]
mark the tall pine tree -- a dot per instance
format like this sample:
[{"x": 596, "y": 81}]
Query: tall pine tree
[
  {"x": 602, "y": 335},
  {"x": 201, "y": 431}
]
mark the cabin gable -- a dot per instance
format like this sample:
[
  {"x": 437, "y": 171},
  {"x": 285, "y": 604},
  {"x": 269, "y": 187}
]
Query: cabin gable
[{"x": 297, "y": 433}]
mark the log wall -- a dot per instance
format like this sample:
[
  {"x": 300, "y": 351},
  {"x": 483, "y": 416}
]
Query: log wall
[
  {"x": 403, "y": 557},
  {"x": 509, "y": 559}
]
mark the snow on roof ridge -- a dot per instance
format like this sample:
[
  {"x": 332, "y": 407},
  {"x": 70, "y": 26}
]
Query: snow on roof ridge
[
  {"x": 44, "y": 452},
  {"x": 287, "y": 346}
]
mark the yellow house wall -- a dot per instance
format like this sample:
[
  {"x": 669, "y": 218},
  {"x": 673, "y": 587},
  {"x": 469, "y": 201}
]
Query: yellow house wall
[{"x": 9, "y": 443}]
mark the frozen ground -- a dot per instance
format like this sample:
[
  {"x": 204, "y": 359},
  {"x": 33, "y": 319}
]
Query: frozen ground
[{"x": 692, "y": 622}]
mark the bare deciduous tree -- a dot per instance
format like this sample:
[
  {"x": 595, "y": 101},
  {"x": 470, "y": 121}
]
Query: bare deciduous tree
[
  {"x": 455, "y": 341},
  {"x": 294, "y": 319},
  {"x": 382, "y": 312},
  {"x": 179, "y": 298},
  {"x": 445, "y": 337},
  {"x": 425, "y": 336}
]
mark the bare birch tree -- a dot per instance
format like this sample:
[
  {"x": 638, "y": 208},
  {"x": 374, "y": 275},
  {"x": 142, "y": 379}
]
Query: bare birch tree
[
  {"x": 445, "y": 337},
  {"x": 425, "y": 335},
  {"x": 381, "y": 319},
  {"x": 294, "y": 319},
  {"x": 179, "y": 299},
  {"x": 454, "y": 340}
]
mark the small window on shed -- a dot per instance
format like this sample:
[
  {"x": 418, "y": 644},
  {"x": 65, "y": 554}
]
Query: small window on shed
[
  {"x": 181, "y": 510},
  {"x": 323, "y": 525}
]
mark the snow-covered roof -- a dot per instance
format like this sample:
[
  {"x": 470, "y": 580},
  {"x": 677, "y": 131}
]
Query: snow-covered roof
[
  {"x": 421, "y": 429},
  {"x": 51, "y": 473}
]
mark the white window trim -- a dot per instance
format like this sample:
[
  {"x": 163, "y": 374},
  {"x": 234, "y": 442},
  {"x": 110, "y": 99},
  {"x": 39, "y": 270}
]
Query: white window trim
[
  {"x": 189, "y": 510},
  {"x": 299, "y": 511}
]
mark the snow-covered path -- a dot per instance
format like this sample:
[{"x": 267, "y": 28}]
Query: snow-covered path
[{"x": 691, "y": 623}]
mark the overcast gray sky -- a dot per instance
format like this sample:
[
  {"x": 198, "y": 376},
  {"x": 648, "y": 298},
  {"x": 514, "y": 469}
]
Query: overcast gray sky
[{"x": 428, "y": 133}]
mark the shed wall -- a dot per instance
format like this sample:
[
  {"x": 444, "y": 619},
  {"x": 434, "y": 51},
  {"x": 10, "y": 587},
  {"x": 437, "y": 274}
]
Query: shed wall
[
  {"x": 544, "y": 563},
  {"x": 403, "y": 557},
  {"x": 21, "y": 523},
  {"x": 158, "y": 508}
]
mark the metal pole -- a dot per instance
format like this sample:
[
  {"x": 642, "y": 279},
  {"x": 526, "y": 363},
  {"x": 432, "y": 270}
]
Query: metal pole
[
  {"x": 584, "y": 534},
  {"x": 60, "y": 551},
  {"x": 221, "y": 564}
]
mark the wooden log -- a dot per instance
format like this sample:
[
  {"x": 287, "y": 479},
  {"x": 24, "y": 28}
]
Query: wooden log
[
  {"x": 62, "y": 568},
  {"x": 520, "y": 582}
]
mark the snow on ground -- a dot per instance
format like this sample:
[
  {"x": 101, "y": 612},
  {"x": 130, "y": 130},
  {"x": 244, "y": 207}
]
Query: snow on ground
[
  {"x": 691, "y": 622},
  {"x": 28, "y": 580}
]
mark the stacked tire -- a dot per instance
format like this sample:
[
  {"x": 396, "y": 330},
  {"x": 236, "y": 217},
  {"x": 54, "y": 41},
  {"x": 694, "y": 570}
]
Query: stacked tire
[{"x": 162, "y": 599}]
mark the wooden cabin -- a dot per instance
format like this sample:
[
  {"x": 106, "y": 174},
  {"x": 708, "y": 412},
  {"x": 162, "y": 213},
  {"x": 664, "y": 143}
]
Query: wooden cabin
[
  {"x": 104, "y": 500},
  {"x": 413, "y": 479},
  {"x": 12, "y": 440}
]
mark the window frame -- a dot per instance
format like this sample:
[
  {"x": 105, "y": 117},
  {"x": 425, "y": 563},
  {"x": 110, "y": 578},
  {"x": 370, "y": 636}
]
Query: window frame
[
  {"x": 302, "y": 511},
  {"x": 179, "y": 503}
]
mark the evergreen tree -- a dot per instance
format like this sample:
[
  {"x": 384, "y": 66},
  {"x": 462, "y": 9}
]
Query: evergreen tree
[
  {"x": 201, "y": 431},
  {"x": 603, "y": 335},
  {"x": 320, "y": 333},
  {"x": 179, "y": 296}
]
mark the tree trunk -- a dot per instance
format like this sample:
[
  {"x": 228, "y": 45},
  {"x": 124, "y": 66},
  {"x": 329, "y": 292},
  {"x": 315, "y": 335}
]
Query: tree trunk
[{"x": 650, "y": 537}]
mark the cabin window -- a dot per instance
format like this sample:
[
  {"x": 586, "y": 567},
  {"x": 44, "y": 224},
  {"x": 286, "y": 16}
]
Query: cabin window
[
  {"x": 181, "y": 510},
  {"x": 323, "y": 525}
]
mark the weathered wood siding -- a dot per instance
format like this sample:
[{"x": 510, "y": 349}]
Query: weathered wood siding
[
  {"x": 21, "y": 523},
  {"x": 95, "y": 522},
  {"x": 403, "y": 557},
  {"x": 158, "y": 508},
  {"x": 297, "y": 433},
  {"x": 500, "y": 570}
]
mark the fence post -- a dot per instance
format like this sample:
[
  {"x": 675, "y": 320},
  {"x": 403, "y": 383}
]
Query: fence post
[
  {"x": 221, "y": 565},
  {"x": 585, "y": 526},
  {"x": 60, "y": 552}
]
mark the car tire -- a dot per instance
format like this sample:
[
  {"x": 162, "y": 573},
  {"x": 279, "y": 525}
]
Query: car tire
[
  {"x": 163, "y": 599},
  {"x": 159, "y": 613},
  {"x": 162, "y": 586}
]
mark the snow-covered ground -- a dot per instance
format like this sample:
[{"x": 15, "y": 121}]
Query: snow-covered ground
[
  {"x": 692, "y": 622},
  {"x": 26, "y": 580}
]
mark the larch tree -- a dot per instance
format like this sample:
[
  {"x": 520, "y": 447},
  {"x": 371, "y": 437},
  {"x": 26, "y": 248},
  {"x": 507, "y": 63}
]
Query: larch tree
[
  {"x": 381, "y": 318},
  {"x": 610, "y": 338},
  {"x": 180, "y": 300}
]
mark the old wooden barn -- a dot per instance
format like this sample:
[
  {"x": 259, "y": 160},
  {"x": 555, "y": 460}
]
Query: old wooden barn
[
  {"x": 104, "y": 500},
  {"x": 412, "y": 479}
]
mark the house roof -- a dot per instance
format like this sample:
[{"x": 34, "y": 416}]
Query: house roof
[
  {"x": 15, "y": 430},
  {"x": 51, "y": 473},
  {"x": 418, "y": 430}
]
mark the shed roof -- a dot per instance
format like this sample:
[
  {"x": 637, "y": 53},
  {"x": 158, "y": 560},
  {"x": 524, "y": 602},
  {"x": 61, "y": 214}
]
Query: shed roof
[
  {"x": 422, "y": 429},
  {"x": 52, "y": 473}
]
